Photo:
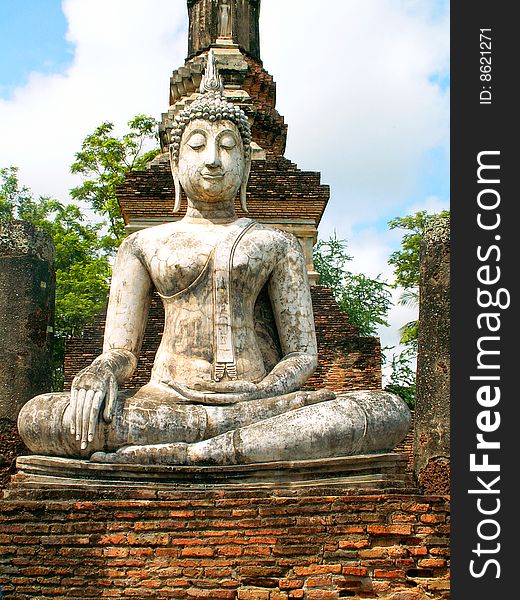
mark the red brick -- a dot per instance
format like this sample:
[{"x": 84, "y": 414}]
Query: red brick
[
  {"x": 389, "y": 529},
  {"x": 382, "y": 574},
  {"x": 290, "y": 584},
  {"x": 429, "y": 518},
  {"x": 353, "y": 544},
  {"x": 397, "y": 552},
  {"x": 167, "y": 552},
  {"x": 230, "y": 551},
  {"x": 178, "y": 582},
  {"x": 322, "y": 595},
  {"x": 374, "y": 553},
  {"x": 439, "y": 584},
  {"x": 186, "y": 514},
  {"x": 197, "y": 552},
  {"x": 319, "y": 582},
  {"x": 355, "y": 571},
  {"x": 278, "y": 596},
  {"x": 116, "y": 552},
  {"x": 253, "y": 594},
  {"x": 257, "y": 551},
  {"x": 318, "y": 570},
  {"x": 115, "y": 539},
  {"x": 432, "y": 562},
  {"x": 151, "y": 583},
  {"x": 416, "y": 507}
]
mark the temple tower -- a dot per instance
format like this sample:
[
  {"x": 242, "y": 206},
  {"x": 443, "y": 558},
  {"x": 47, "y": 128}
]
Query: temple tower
[{"x": 235, "y": 20}]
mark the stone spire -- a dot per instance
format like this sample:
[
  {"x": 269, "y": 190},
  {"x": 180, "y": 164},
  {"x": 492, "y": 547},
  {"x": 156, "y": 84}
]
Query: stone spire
[{"x": 233, "y": 20}]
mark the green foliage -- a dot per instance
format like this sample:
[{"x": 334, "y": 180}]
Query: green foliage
[
  {"x": 103, "y": 160},
  {"x": 407, "y": 265},
  {"x": 406, "y": 261},
  {"x": 366, "y": 300},
  {"x": 83, "y": 249},
  {"x": 82, "y": 267},
  {"x": 402, "y": 376},
  {"x": 11, "y": 194}
]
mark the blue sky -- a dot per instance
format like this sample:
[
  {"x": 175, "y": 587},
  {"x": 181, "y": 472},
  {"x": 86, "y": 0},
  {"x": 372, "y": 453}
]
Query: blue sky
[
  {"x": 32, "y": 38},
  {"x": 365, "y": 95}
]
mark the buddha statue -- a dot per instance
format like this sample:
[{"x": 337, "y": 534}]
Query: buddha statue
[
  {"x": 238, "y": 343},
  {"x": 224, "y": 20}
]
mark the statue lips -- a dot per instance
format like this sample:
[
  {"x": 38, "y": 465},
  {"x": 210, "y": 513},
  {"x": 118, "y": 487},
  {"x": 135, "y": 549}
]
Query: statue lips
[
  {"x": 213, "y": 176},
  {"x": 214, "y": 180}
]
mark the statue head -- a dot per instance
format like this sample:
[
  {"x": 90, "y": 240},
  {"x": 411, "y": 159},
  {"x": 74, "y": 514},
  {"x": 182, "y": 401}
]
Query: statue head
[{"x": 210, "y": 145}]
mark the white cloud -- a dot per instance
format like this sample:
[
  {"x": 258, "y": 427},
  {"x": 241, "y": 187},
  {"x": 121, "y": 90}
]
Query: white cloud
[
  {"x": 124, "y": 53},
  {"x": 356, "y": 86},
  {"x": 432, "y": 205}
]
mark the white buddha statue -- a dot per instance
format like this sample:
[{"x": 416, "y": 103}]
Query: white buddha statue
[{"x": 225, "y": 386}]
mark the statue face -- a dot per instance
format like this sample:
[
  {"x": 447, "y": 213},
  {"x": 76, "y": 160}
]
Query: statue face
[{"x": 211, "y": 164}]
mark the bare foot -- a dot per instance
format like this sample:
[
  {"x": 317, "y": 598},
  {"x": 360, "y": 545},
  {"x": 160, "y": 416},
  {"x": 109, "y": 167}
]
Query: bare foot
[{"x": 156, "y": 454}]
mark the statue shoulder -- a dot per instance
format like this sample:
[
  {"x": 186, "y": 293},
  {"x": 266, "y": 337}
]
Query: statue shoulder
[
  {"x": 284, "y": 247},
  {"x": 277, "y": 236},
  {"x": 147, "y": 239}
]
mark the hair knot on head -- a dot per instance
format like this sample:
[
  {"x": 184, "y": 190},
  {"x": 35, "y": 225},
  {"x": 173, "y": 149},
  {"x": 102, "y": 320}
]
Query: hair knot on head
[{"x": 210, "y": 106}]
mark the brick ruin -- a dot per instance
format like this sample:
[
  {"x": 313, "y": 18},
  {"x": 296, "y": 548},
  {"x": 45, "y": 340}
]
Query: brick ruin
[
  {"x": 249, "y": 545},
  {"x": 27, "y": 283},
  {"x": 432, "y": 416}
]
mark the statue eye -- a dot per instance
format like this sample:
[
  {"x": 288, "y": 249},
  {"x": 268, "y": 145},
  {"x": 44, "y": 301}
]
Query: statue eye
[
  {"x": 227, "y": 142},
  {"x": 197, "y": 141}
]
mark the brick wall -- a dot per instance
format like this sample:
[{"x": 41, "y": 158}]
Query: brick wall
[
  {"x": 276, "y": 189},
  {"x": 232, "y": 545}
]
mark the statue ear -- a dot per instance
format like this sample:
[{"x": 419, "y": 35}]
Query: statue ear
[
  {"x": 243, "y": 187},
  {"x": 176, "y": 182}
]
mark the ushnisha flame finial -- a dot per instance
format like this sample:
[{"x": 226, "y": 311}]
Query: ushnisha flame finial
[
  {"x": 211, "y": 81},
  {"x": 211, "y": 106}
]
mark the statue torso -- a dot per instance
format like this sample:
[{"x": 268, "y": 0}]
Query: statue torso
[{"x": 180, "y": 260}]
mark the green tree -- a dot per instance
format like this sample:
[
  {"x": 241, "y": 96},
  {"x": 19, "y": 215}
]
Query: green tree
[
  {"x": 366, "y": 300},
  {"x": 82, "y": 266},
  {"x": 401, "y": 380},
  {"x": 104, "y": 160},
  {"x": 83, "y": 249},
  {"x": 407, "y": 265},
  {"x": 407, "y": 268}
]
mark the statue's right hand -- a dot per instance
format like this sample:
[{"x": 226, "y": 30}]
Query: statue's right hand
[{"x": 92, "y": 386}]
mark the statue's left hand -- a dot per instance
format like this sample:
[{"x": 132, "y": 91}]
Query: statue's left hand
[
  {"x": 219, "y": 393},
  {"x": 231, "y": 387},
  {"x": 92, "y": 386}
]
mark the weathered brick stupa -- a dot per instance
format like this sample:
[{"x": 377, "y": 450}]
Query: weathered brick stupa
[{"x": 279, "y": 194}]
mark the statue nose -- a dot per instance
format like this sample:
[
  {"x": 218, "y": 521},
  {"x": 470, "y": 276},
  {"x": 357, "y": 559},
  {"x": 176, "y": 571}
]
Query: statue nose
[{"x": 213, "y": 156}]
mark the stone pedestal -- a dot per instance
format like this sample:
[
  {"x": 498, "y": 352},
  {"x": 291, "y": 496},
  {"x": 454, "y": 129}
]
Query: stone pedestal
[
  {"x": 54, "y": 476},
  {"x": 432, "y": 413}
]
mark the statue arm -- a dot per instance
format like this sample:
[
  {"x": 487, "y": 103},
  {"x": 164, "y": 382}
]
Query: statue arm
[
  {"x": 292, "y": 306},
  {"x": 127, "y": 312},
  {"x": 130, "y": 294}
]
